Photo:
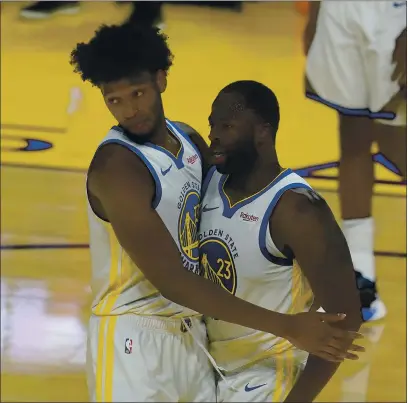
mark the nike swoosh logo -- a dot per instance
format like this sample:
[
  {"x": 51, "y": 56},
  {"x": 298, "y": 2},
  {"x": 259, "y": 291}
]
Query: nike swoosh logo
[
  {"x": 251, "y": 388},
  {"x": 166, "y": 171},
  {"x": 399, "y": 4},
  {"x": 206, "y": 209}
]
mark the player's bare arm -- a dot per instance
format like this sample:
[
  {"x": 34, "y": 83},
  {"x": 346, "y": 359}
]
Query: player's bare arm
[
  {"x": 304, "y": 223},
  {"x": 122, "y": 184},
  {"x": 198, "y": 140}
]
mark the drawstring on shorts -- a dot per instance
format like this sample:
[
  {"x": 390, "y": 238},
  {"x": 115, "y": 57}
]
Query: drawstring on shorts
[{"x": 188, "y": 328}]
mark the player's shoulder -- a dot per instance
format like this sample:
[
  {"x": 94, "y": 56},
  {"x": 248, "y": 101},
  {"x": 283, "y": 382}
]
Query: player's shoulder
[
  {"x": 113, "y": 162},
  {"x": 198, "y": 141},
  {"x": 299, "y": 213},
  {"x": 185, "y": 127},
  {"x": 194, "y": 135},
  {"x": 301, "y": 203},
  {"x": 115, "y": 156}
]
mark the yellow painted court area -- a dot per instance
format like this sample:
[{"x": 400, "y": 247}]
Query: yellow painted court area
[{"x": 45, "y": 262}]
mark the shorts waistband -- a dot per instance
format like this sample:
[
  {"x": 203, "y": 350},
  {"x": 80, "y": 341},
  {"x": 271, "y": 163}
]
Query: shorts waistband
[{"x": 175, "y": 326}]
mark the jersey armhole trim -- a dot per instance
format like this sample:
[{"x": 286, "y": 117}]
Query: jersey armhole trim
[
  {"x": 90, "y": 204},
  {"x": 278, "y": 260},
  {"x": 365, "y": 112},
  {"x": 158, "y": 187}
]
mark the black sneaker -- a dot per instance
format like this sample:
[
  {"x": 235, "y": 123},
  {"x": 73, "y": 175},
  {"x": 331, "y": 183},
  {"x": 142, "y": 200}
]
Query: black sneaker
[
  {"x": 372, "y": 308},
  {"x": 44, "y": 9}
]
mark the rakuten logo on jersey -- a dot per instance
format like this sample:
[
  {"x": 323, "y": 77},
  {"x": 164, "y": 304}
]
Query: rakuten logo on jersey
[
  {"x": 249, "y": 217},
  {"x": 192, "y": 159}
]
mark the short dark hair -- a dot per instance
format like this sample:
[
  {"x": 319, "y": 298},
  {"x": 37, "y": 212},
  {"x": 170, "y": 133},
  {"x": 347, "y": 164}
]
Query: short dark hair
[
  {"x": 258, "y": 98},
  {"x": 121, "y": 51}
]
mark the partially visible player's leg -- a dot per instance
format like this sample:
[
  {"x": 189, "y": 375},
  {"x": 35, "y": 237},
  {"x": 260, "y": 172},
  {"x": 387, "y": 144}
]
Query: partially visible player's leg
[
  {"x": 392, "y": 142},
  {"x": 356, "y": 180},
  {"x": 268, "y": 381},
  {"x": 353, "y": 77},
  {"x": 385, "y": 95},
  {"x": 356, "y": 172}
]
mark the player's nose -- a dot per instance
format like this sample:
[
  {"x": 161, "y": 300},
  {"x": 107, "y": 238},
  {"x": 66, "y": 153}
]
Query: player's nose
[
  {"x": 213, "y": 136},
  {"x": 130, "y": 110}
]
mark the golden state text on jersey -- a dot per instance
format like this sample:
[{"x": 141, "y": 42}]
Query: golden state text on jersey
[
  {"x": 120, "y": 286},
  {"x": 189, "y": 213},
  {"x": 237, "y": 253},
  {"x": 217, "y": 254}
]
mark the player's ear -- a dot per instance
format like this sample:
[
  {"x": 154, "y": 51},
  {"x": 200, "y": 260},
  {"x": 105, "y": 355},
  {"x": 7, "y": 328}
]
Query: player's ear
[
  {"x": 263, "y": 131},
  {"x": 161, "y": 80}
]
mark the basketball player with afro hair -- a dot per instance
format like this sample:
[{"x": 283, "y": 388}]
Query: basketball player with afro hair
[{"x": 146, "y": 340}]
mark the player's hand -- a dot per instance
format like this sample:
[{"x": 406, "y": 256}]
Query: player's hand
[
  {"x": 399, "y": 57},
  {"x": 311, "y": 332}
]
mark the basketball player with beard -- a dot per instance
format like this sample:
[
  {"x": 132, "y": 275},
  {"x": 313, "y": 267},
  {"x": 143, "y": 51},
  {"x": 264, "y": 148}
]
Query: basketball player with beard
[
  {"x": 146, "y": 339},
  {"x": 268, "y": 238}
]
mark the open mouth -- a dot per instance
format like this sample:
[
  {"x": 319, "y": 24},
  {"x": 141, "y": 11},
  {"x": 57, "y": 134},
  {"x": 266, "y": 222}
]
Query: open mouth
[{"x": 218, "y": 157}]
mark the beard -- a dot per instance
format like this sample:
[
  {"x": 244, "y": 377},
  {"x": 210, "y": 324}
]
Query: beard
[
  {"x": 140, "y": 138},
  {"x": 149, "y": 133},
  {"x": 240, "y": 160}
]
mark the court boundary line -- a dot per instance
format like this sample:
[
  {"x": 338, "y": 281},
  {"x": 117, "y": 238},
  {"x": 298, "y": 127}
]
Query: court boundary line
[
  {"x": 33, "y": 128},
  {"x": 399, "y": 255},
  {"x": 84, "y": 171}
]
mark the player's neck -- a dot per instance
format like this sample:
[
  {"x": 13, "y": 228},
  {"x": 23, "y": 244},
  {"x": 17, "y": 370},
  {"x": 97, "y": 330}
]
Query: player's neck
[
  {"x": 164, "y": 138},
  {"x": 160, "y": 134},
  {"x": 251, "y": 182}
]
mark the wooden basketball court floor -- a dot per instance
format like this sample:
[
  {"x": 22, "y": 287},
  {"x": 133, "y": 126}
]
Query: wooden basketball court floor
[{"x": 51, "y": 123}]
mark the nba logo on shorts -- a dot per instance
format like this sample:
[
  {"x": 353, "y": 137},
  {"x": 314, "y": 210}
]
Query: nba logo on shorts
[{"x": 128, "y": 346}]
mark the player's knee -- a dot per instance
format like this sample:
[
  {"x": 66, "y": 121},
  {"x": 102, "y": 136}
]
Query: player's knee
[{"x": 356, "y": 136}]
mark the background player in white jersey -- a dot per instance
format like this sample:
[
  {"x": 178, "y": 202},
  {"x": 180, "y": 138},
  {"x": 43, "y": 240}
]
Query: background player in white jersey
[
  {"x": 264, "y": 236},
  {"x": 143, "y": 188},
  {"x": 356, "y": 64}
]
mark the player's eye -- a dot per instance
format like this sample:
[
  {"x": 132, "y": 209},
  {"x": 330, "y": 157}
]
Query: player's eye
[
  {"x": 138, "y": 93},
  {"x": 113, "y": 101}
]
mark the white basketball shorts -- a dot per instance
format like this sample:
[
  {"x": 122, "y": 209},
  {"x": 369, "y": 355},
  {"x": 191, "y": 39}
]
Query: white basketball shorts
[
  {"x": 267, "y": 381},
  {"x": 132, "y": 358},
  {"x": 349, "y": 65}
]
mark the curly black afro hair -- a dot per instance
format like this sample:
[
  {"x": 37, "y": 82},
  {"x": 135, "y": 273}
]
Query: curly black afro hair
[{"x": 121, "y": 51}]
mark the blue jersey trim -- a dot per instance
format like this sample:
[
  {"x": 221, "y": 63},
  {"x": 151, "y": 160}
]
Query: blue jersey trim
[
  {"x": 207, "y": 181},
  {"x": 158, "y": 191},
  {"x": 178, "y": 160},
  {"x": 281, "y": 261},
  {"x": 364, "y": 112},
  {"x": 228, "y": 210}
]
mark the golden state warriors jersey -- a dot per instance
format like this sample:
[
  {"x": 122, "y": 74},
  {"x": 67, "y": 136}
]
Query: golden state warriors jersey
[
  {"x": 118, "y": 285},
  {"x": 238, "y": 253}
]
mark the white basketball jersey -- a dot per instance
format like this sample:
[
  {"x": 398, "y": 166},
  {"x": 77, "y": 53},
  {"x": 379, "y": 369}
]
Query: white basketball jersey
[
  {"x": 118, "y": 285},
  {"x": 238, "y": 253}
]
